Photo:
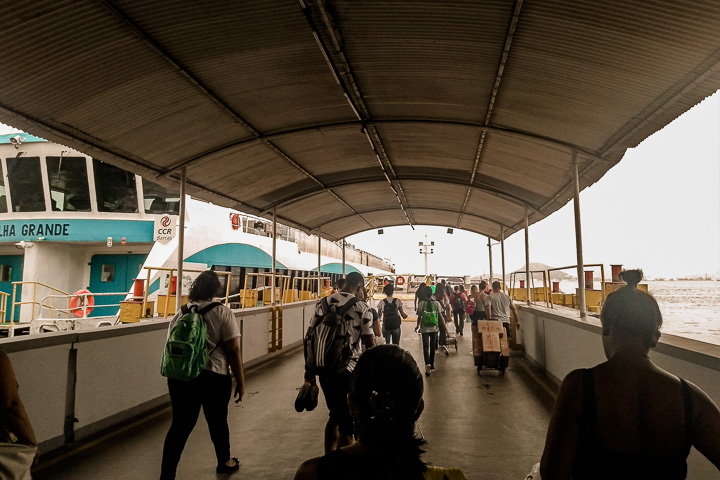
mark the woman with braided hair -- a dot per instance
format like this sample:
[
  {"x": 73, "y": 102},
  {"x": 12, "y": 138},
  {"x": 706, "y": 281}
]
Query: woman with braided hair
[
  {"x": 627, "y": 418},
  {"x": 385, "y": 401}
]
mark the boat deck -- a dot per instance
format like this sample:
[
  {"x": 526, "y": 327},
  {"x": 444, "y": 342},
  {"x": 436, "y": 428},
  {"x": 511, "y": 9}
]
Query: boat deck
[{"x": 491, "y": 426}]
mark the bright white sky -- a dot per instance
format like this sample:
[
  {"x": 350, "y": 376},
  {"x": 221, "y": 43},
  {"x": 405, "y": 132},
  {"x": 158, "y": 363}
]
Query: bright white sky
[{"x": 658, "y": 209}]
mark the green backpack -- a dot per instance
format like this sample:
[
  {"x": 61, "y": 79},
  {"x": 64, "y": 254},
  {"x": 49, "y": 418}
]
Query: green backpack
[
  {"x": 429, "y": 317},
  {"x": 185, "y": 354}
]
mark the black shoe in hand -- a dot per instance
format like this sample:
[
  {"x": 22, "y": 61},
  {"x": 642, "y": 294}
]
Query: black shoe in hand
[{"x": 303, "y": 397}]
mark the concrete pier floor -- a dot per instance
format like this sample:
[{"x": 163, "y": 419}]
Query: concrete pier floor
[{"x": 491, "y": 426}]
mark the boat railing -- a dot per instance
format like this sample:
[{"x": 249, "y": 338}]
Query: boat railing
[
  {"x": 171, "y": 273},
  {"x": 85, "y": 304},
  {"x": 3, "y": 306},
  {"x": 33, "y": 302}
]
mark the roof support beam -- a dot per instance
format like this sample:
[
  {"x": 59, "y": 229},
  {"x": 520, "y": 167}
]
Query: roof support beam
[
  {"x": 491, "y": 104},
  {"x": 487, "y": 189},
  {"x": 434, "y": 209},
  {"x": 400, "y": 121},
  {"x": 346, "y": 81},
  {"x": 237, "y": 118}
]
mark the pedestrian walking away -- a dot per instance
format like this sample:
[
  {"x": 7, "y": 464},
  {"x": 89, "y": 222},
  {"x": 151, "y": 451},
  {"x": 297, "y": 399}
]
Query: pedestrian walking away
[
  {"x": 458, "y": 301},
  {"x": 391, "y": 311},
  {"x": 343, "y": 317},
  {"x": 211, "y": 389},
  {"x": 429, "y": 315},
  {"x": 498, "y": 307}
]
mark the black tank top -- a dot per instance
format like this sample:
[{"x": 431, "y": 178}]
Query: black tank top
[{"x": 594, "y": 461}]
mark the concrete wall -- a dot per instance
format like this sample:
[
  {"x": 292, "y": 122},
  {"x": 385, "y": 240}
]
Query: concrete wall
[
  {"x": 556, "y": 341},
  {"x": 106, "y": 376}
]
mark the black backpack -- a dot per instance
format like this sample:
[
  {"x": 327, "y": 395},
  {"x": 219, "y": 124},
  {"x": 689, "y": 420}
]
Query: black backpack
[
  {"x": 391, "y": 315},
  {"x": 327, "y": 343},
  {"x": 458, "y": 304}
]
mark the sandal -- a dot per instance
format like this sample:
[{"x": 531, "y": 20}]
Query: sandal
[{"x": 225, "y": 469}]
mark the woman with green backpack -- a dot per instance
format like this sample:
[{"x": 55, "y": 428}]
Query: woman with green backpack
[
  {"x": 429, "y": 314},
  {"x": 208, "y": 385}
]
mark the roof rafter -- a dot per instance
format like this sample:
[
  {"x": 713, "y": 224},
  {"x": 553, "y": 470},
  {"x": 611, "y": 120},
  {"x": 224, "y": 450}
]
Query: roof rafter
[
  {"x": 237, "y": 118},
  {"x": 491, "y": 104},
  {"x": 432, "y": 209},
  {"x": 408, "y": 121},
  {"x": 347, "y": 82},
  {"x": 485, "y": 188}
]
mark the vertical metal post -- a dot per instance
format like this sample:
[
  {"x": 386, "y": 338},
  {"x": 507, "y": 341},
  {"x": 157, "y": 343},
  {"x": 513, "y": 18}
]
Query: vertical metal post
[
  {"x": 343, "y": 256},
  {"x": 181, "y": 244},
  {"x": 578, "y": 239},
  {"x": 319, "y": 261},
  {"x": 527, "y": 257},
  {"x": 490, "y": 255},
  {"x": 274, "y": 253},
  {"x": 425, "y": 251},
  {"x": 502, "y": 254}
]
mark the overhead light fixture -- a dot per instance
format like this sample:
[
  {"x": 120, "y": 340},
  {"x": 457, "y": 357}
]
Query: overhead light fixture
[
  {"x": 432, "y": 244},
  {"x": 380, "y": 231},
  {"x": 450, "y": 231},
  {"x": 420, "y": 243}
]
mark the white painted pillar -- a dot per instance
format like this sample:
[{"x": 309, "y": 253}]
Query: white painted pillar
[
  {"x": 578, "y": 239},
  {"x": 490, "y": 255},
  {"x": 181, "y": 244},
  {"x": 343, "y": 257},
  {"x": 319, "y": 260},
  {"x": 502, "y": 253},
  {"x": 527, "y": 257},
  {"x": 274, "y": 254}
]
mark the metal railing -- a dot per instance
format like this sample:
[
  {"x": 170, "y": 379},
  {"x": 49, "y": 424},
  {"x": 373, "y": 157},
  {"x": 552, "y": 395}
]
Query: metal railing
[
  {"x": 34, "y": 301},
  {"x": 602, "y": 278},
  {"x": 3, "y": 306},
  {"x": 146, "y": 288}
]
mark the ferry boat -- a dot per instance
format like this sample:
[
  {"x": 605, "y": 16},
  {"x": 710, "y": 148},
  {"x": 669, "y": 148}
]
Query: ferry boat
[{"x": 71, "y": 223}]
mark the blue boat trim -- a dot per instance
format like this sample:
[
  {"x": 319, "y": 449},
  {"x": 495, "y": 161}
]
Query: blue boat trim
[
  {"x": 75, "y": 230},
  {"x": 234, "y": 255}
]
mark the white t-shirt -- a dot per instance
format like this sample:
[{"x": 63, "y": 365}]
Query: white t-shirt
[{"x": 221, "y": 326}]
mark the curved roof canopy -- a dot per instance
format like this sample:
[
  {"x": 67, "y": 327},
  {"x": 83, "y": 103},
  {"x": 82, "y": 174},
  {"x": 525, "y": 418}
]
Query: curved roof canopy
[{"x": 350, "y": 115}]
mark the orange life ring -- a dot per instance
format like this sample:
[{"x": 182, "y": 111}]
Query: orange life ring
[
  {"x": 400, "y": 281},
  {"x": 81, "y": 303}
]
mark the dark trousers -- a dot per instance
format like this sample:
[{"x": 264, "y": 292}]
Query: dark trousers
[
  {"x": 392, "y": 336},
  {"x": 459, "y": 317},
  {"x": 212, "y": 392},
  {"x": 430, "y": 343}
]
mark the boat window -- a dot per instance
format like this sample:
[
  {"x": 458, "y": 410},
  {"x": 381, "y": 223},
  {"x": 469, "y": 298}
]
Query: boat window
[
  {"x": 115, "y": 188},
  {"x": 26, "y": 184},
  {"x": 3, "y": 194},
  {"x": 159, "y": 199},
  {"x": 107, "y": 274},
  {"x": 68, "y": 182},
  {"x": 5, "y": 273}
]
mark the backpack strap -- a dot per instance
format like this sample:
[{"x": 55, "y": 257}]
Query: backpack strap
[
  {"x": 348, "y": 305},
  {"x": 208, "y": 307}
]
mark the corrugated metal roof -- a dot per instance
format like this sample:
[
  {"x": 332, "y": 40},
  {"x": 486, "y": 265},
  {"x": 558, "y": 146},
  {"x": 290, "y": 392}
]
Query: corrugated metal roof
[{"x": 350, "y": 115}]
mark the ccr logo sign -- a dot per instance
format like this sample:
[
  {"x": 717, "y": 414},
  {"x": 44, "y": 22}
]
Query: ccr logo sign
[{"x": 164, "y": 228}]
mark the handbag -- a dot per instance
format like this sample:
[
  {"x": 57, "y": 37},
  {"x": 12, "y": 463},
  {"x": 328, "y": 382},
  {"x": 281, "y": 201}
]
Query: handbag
[{"x": 16, "y": 460}]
